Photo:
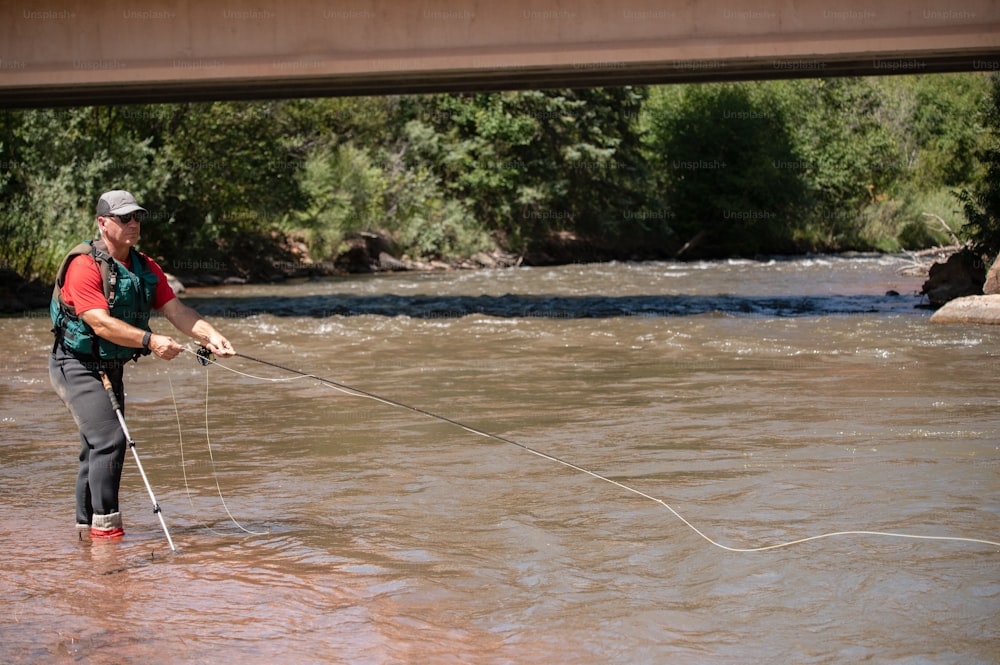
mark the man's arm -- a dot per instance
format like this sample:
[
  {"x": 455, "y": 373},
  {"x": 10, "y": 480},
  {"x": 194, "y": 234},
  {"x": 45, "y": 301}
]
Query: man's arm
[
  {"x": 123, "y": 334},
  {"x": 190, "y": 322},
  {"x": 184, "y": 318}
]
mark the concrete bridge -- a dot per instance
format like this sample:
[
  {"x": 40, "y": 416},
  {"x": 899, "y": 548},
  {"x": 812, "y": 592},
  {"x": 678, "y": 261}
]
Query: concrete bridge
[{"x": 65, "y": 52}]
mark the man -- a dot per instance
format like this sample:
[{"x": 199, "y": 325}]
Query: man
[{"x": 104, "y": 293}]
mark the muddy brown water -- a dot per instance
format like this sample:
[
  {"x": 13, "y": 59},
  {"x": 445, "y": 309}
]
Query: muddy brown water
[{"x": 764, "y": 401}]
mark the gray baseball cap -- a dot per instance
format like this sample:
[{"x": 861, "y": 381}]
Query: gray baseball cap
[{"x": 117, "y": 202}]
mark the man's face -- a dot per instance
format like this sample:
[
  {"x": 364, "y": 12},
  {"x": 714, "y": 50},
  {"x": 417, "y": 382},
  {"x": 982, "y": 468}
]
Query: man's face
[{"x": 121, "y": 229}]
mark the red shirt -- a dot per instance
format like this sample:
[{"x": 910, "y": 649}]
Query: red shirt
[{"x": 84, "y": 288}]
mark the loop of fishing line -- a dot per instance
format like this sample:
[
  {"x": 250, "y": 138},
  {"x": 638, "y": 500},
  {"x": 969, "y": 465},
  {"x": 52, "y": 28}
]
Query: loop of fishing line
[
  {"x": 211, "y": 457},
  {"x": 356, "y": 392},
  {"x": 180, "y": 440}
]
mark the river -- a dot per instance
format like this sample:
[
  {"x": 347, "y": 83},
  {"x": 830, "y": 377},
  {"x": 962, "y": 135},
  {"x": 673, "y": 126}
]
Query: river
[{"x": 763, "y": 401}]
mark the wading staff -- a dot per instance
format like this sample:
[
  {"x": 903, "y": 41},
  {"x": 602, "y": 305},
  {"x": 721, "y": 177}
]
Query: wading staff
[{"x": 131, "y": 444}]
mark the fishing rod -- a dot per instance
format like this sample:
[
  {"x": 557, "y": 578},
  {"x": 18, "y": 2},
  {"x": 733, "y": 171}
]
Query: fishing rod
[
  {"x": 205, "y": 357},
  {"x": 131, "y": 444}
]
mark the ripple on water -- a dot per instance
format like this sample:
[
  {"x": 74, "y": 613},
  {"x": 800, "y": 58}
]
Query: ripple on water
[{"x": 762, "y": 400}]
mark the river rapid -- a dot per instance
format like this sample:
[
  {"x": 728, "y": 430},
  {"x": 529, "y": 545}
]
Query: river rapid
[{"x": 763, "y": 401}]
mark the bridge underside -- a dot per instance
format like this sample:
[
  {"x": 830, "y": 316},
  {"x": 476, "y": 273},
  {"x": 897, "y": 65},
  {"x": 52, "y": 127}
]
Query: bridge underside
[{"x": 101, "y": 52}]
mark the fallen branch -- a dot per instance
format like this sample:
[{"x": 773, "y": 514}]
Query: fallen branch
[
  {"x": 922, "y": 260},
  {"x": 947, "y": 228}
]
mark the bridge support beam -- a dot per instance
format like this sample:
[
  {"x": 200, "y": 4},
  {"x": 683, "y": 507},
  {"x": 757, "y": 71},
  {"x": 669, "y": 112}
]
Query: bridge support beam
[{"x": 65, "y": 52}]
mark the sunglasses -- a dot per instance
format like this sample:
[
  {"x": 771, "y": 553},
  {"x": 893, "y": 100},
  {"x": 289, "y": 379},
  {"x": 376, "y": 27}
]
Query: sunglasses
[{"x": 137, "y": 215}]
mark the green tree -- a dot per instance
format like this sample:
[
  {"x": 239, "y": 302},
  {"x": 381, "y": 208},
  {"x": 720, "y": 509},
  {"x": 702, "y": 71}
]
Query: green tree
[
  {"x": 981, "y": 205},
  {"x": 370, "y": 168},
  {"x": 711, "y": 169},
  {"x": 937, "y": 123},
  {"x": 530, "y": 164},
  {"x": 345, "y": 194},
  {"x": 230, "y": 178},
  {"x": 946, "y": 128},
  {"x": 56, "y": 162},
  {"x": 215, "y": 177},
  {"x": 727, "y": 170},
  {"x": 849, "y": 155}
]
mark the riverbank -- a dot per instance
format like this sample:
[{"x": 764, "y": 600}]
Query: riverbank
[{"x": 19, "y": 295}]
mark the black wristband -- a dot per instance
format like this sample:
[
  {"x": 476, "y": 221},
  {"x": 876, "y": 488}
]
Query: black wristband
[{"x": 145, "y": 340}]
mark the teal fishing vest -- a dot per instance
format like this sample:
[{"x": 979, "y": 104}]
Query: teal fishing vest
[{"x": 130, "y": 298}]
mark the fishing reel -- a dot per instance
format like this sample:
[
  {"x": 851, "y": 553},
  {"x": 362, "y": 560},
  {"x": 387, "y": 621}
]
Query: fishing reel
[{"x": 204, "y": 356}]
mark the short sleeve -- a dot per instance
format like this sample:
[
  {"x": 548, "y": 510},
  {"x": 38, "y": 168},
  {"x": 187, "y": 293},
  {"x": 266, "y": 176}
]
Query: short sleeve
[{"x": 83, "y": 287}]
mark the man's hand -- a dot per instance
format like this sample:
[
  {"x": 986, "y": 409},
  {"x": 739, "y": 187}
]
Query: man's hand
[
  {"x": 164, "y": 347},
  {"x": 220, "y": 346}
]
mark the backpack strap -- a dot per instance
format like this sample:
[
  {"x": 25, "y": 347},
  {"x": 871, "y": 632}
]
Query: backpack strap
[
  {"x": 109, "y": 270},
  {"x": 98, "y": 250}
]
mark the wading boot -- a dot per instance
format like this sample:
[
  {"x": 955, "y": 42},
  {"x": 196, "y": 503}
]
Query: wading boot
[{"x": 107, "y": 526}]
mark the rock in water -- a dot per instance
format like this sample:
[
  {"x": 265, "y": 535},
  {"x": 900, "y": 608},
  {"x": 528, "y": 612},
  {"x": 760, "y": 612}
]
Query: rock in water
[
  {"x": 992, "y": 285},
  {"x": 970, "y": 309},
  {"x": 961, "y": 275}
]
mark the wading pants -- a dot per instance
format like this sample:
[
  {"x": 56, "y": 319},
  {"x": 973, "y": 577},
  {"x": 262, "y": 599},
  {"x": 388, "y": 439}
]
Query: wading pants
[{"x": 77, "y": 380}]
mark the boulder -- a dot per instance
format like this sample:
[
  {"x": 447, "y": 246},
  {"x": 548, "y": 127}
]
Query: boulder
[
  {"x": 992, "y": 285},
  {"x": 961, "y": 275},
  {"x": 388, "y": 262},
  {"x": 369, "y": 252},
  {"x": 970, "y": 309},
  {"x": 378, "y": 243}
]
